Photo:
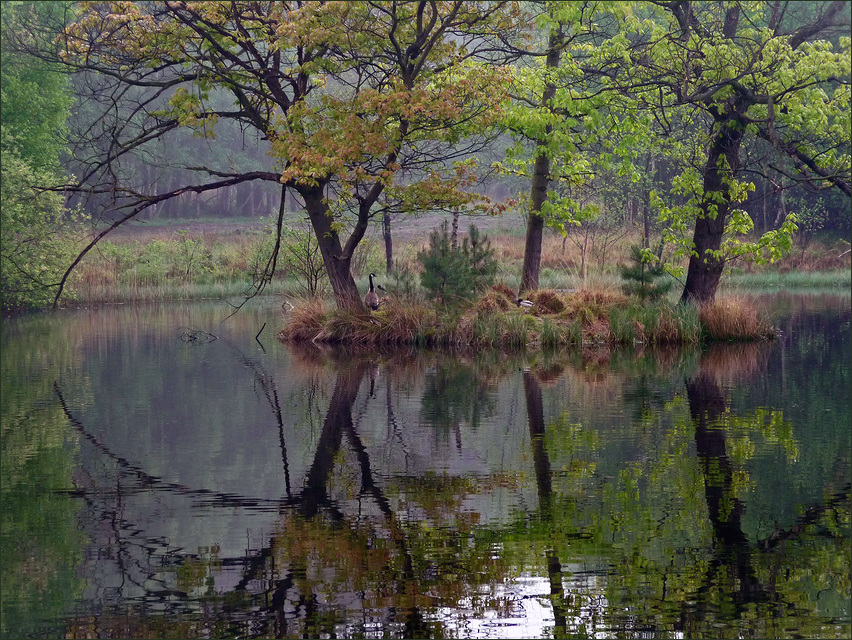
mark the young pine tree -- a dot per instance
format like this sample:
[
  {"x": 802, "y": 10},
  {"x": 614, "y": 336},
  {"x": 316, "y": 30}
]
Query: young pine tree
[
  {"x": 453, "y": 273},
  {"x": 642, "y": 278}
]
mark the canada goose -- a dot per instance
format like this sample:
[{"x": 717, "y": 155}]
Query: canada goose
[
  {"x": 525, "y": 303},
  {"x": 372, "y": 298}
]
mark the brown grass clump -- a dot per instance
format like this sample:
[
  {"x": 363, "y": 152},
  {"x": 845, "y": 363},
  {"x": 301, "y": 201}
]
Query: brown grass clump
[
  {"x": 547, "y": 301},
  {"x": 394, "y": 324},
  {"x": 667, "y": 330},
  {"x": 498, "y": 298},
  {"x": 505, "y": 290},
  {"x": 305, "y": 320},
  {"x": 602, "y": 297},
  {"x": 733, "y": 318},
  {"x": 586, "y": 317},
  {"x": 589, "y": 305}
]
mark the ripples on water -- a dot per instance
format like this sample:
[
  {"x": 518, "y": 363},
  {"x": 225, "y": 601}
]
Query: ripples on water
[{"x": 155, "y": 486}]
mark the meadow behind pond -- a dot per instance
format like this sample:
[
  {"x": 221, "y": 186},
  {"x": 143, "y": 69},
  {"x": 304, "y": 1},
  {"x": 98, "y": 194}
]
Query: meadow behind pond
[{"x": 581, "y": 296}]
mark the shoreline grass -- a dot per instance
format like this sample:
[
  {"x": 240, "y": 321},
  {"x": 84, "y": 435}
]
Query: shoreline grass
[
  {"x": 798, "y": 280},
  {"x": 579, "y": 318}
]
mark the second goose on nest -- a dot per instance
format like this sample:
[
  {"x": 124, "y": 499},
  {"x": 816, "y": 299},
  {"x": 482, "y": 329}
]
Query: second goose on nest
[{"x": 372, "y": 298}]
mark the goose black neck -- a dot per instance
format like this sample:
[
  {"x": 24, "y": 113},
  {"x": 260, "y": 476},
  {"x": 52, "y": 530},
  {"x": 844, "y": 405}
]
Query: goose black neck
[{"x": 371, "y": 282}]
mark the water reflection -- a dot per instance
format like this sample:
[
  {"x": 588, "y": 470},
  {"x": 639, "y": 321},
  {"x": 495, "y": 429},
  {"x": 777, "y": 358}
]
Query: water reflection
[{"x": 225, "y": 488}]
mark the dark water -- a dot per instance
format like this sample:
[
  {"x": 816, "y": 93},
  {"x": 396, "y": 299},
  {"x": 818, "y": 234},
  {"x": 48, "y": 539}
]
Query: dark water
[{"x": 157, "y": 482}]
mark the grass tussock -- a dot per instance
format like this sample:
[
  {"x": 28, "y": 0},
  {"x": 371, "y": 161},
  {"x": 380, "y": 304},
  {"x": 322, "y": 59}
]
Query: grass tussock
[
  {"x": 733, "y": 318},
  {"x": 556, "y": 320}
]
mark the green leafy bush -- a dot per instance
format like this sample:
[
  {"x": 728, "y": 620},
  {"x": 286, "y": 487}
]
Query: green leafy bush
[{"x": 33, "y": 252}]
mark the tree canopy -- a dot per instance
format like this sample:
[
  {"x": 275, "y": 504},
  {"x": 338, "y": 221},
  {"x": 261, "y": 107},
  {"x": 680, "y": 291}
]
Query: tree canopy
[
  {"x": 357, "y": 101},
  {"x": 718, "y": 77},
  {"x": 724, "y": 92}
]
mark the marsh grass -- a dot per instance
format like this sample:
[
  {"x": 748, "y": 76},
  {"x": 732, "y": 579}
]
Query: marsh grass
[
  {"x": 733, "y": 318},
  {"x": 789, "y": 280},
  {"x": 581, "y": 318},
  {"x": 178, "y": 266}
]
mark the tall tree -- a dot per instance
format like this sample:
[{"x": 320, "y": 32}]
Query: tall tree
[
  {"x": 719, "y": 74},
  {"x": 356, "y": 101},
  {"x": 556, "y": 103}
]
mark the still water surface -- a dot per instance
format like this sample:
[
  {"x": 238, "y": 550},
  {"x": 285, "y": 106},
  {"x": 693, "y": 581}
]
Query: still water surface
[{"x": 158, "y": 482}]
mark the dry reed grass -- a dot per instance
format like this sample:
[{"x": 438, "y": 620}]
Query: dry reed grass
[{"x": 733, "y": 318}]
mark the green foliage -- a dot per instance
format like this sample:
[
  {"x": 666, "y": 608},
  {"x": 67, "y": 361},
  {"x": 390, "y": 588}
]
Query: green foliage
[
  {"x": 457, "y": 273},
  {"x": 34, "y": 97},
  {"x": 34, "y": 104},
  {"x": 33, "y": 253},
  {"x": 192, "y": 257},
  {"x": 643, "y": 278},
  {"x": 811, "y": 218}
]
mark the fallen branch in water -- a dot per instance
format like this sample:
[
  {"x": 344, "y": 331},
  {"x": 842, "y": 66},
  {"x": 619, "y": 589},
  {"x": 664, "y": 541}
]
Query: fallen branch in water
[{"x": 198, "y": 336}]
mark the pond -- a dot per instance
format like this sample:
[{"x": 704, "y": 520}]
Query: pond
[{"x": 169, "y": 475}]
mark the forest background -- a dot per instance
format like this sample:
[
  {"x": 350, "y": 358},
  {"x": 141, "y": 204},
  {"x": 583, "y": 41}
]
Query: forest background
[{"x": 156, "y": 150}]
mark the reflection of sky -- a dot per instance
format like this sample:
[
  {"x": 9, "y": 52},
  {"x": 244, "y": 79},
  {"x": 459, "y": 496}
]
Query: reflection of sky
[{"x": 531, "y": 612}]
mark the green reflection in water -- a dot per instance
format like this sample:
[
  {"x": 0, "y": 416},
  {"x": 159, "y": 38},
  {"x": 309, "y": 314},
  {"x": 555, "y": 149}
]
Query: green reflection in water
[
  {"x": 41, "y": 544},
  {"x": 274, "y": 492}
]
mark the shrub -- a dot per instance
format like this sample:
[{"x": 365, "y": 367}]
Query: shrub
[
  {"x": 35, "y": 246},
  {"x": 301, "y": 256},
  {"x": 452, "y": 273}
]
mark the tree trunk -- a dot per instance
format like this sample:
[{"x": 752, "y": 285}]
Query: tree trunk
[
  {"x": 386, "y": 234},
  {"x": 705, "y": 269},
  {"x": 782, "y": 205},
  {"x": 532, "y": 249},
  {"x": 337, "y": 262},
  {"x": 650, "y": 170},
  {"x": 540, "y": 181}
]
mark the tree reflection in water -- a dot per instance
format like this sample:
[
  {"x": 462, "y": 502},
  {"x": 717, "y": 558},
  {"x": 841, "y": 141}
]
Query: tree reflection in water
[{"x": 637, "y": 525}]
